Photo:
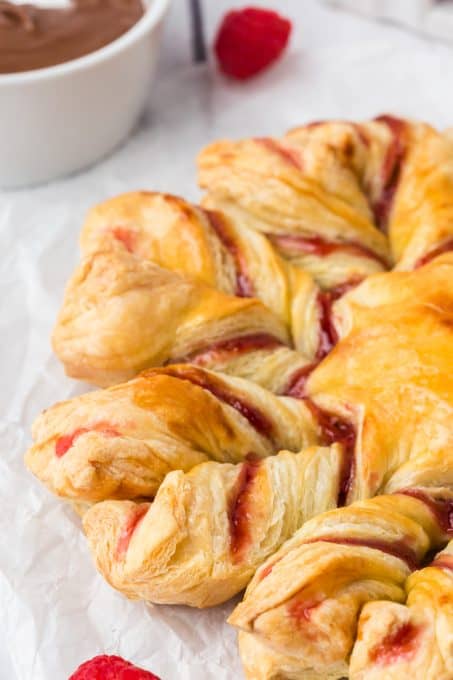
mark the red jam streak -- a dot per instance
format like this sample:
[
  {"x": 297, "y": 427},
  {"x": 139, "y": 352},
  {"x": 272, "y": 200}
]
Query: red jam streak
[
  {"x": 397, "y": 549},
  {"x": 266, "y": 571},
  {"x": 218, "y": 351},
  {"x": 298, "y": 381},
  {"x": 443, "y": 248},
  {"x": 239, "y": 509},
  {"x": 244, "y": 285},
  {"x": 288, "y": 155},
  {"x": 66, "y": 441},
  {"x": 401, "y": 643},
  {"x": 125, "y": 236},
  {"x": 333, "y": 430},
  {"x": 328, "y": 336},
  {"x": 130, "y": 526},
  {"x": 391, "y": 169},
  {"x": 336, "y": 430},
  {"x": 301, "y": 610},
  {"x": 443, "y": 562},
  {"x": 292, "y": 245},
  {"x": 441, "y": 509},
  {"x": 255, "y": 417}
]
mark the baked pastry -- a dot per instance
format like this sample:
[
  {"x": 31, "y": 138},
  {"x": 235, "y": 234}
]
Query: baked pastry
[
  {"x": 280, "y": 278},
  {"x": 414, "y": 640},
  {"x": 112, "y": 296},
  {"x": 327, "y": 193},
  {"x": 390, "y": 377},
  {"x": 122, "y": 314},
  {"x": 322, "y": 196},
  {"x": 206, "y": 247},
  {"x": 202, "y": 538},
  {"x": 387, "y": 371},
  {"x": 384, "y": 393},
  {"x": 303, "y": 603},
  {"x": 122, "y": 441}
]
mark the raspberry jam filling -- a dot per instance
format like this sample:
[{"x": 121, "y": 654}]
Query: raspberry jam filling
[
  {"x": 288, "y": 155},
  {"x": 298, "y": 381},
  {"x": 266, "y": 571},
  {"x": 290, "y": 244},
  {"x": 66, "y": 441},
  {"x": 443, "y": 562},
  {"x": 398, "y": 549},
  {"x": 440, "y": 508},
  {"x": 125, "y": 236},
  {"x": 301, "y": 610},
  {"x": 221, "y": 391},
  {"x": 336, "y": 430},
  {"x": 224, "y": 349},
  {"x": 244, "y": 285},
  {"x": 328, "y": 336},
  {"x": 391, "y": 169},
  {"x": 400, "y": 644},
  {"x": 127, "y": 531},
  {"x": 443, "y": 248},
  {"x": 240, "y": 507}
]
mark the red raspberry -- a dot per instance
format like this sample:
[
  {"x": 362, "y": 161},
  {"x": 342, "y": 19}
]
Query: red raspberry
[
  {"x": 110, "y": 668},
  {"x": 249, "y": 40}
]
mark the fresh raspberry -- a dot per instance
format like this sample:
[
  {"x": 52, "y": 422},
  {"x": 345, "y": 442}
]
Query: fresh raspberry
[
  {"x": 249, "y": 40},
  {"x": 110, "y": 668}
]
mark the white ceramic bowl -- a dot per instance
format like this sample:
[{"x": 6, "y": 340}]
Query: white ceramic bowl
[{"x": 57, "y": 120}]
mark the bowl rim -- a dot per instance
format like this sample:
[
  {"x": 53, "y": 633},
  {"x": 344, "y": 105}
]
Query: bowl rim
[{"x": 153, "y": 13}]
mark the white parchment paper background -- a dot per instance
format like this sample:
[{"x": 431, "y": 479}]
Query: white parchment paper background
[{"x": 55, "y": 611}]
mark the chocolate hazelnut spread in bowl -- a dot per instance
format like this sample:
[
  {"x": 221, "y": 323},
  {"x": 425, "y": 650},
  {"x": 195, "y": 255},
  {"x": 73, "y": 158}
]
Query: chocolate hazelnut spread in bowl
[
  {"x": 33, "y": 37},
  {"x": 73, "y": 81}
]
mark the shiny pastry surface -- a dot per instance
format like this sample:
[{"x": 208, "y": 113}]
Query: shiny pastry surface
[
  {"x": 201, "y": 539},
  {"x": 121, "y": 442},
  {"x": 414, "y": 639},
  {"x": 301, "y": 609},
  {"x": 326, "y": 189},
  {"x": 307, "y": 303}
]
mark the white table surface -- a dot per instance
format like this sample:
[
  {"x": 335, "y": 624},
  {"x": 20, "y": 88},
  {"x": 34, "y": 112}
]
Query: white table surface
[{"x": 56, "y": 611}]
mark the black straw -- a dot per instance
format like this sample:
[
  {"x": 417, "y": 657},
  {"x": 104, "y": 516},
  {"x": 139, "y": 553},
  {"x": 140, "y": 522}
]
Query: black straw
[{"x": 198, "y": 40}]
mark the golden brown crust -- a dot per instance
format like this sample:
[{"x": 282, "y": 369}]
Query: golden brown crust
[
  {"x": 121, "y": 442},
  {"x": 412, "y": 640},
  {"x": 272, "y": 289},
  {"x": 392, "y": 371},
  {"x": 122, "y": 314},
  {"x": 304, "y": 602},
  {"x": 343, "y": 182},
  {"x": 207, "y": 530}
]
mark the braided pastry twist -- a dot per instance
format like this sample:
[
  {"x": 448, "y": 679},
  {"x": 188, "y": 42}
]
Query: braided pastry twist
[
  {"x": 304, "y": 602},
  {"x": 206, "y": 532},
  {"x": 122, "y": 315},
  {"x": 413, "y": 640},
  {"x": 122, "y": 441},
  {"x": 325, "y": 193},
  {"x": 206, "y": 247},
  {"x": 123, "y": 312}
]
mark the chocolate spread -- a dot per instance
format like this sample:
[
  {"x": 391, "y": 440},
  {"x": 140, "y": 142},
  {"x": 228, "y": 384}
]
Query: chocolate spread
[{"x": 34, "y": 37}]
